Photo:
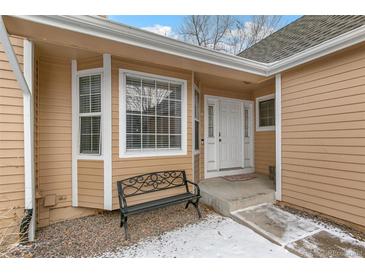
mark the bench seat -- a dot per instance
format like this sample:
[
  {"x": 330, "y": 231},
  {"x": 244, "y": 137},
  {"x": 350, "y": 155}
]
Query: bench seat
[{"x": 154, "y": 204}]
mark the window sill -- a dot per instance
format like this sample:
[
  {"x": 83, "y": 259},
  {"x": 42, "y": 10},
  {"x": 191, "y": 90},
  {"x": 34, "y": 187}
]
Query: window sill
[
  {"x": 270, "y": 128},
  {"x": 89, "y": 157},
  {"x": 152, "y": 154}
]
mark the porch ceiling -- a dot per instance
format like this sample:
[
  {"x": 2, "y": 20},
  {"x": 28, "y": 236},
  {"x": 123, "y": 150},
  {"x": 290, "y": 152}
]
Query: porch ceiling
[
  {"x": 87, "y": 43},
  {"x": 215, "y": 82}
]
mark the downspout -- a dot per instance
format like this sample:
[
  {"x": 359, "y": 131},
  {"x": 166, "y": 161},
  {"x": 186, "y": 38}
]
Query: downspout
[{"x": 25, "y": 81}]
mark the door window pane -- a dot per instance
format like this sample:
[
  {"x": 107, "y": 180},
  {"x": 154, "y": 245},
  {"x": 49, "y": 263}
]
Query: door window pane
[{"x": 211, "y": 121}]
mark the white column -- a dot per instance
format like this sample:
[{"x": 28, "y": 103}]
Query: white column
[
  {"x": 278, "y": 135},
  {"x": 28, "y": 116},
  {"x": 75, "y": 130},
  {"x": 107, "y": 132},
  {"x": 193, "y": 124}
]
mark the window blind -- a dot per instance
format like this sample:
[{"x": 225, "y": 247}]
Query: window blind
[
  {"x": 153, "y": 114},
  {"x": 90, "y": 113}
]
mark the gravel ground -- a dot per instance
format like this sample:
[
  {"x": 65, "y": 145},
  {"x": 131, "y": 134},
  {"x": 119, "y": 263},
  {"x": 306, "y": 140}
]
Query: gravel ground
[{"x": 95, "y": 235}]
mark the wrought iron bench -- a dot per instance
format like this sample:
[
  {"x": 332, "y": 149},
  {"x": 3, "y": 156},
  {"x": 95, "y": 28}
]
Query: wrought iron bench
[{"x": 151, "y": 183}]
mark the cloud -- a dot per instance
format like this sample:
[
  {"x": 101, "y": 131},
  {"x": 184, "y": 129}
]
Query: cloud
[{"x": 162, "y": 30}]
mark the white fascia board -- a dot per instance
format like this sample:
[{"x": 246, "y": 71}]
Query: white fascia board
[
  {"x": 103, "y": 28},
  {"x": 342, "y": 41},
  {"x": 99, "y": 27}
]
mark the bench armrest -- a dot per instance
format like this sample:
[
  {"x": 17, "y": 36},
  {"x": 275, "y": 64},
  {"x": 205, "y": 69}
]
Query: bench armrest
[{"x": 196, "y": 187}]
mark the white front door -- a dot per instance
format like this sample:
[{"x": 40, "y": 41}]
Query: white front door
[{"x": 230, "y": 134}]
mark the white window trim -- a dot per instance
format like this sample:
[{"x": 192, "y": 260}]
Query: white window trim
[
  {"x": 123, "y": 117},
  {"x": 258, "y": 100},
  {"x": 77, "y": 115},
  {"x": 195, "y": 87}
]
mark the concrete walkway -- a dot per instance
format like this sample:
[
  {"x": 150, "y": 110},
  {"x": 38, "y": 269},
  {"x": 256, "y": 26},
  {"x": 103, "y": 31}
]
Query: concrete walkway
[
  {"x": 225, "y": 196},
  {"x": 303, "y": 237}
]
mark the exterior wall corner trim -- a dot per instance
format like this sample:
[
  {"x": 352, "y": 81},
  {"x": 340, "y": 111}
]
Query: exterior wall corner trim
[
  {"x": 278, "y": 135},
  {"x": 107, "y": 132}
]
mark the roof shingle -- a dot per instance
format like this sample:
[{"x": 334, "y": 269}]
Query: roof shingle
[{"x": 304, "y": 33}]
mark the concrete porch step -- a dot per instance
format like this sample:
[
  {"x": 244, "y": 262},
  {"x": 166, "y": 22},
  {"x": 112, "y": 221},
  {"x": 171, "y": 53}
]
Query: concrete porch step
[{"x": 226, "y": 196}]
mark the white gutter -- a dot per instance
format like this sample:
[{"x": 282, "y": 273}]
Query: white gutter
[
  {"x": 103, "y": 28},
  {"x": 335, "y": 44},
  {"x": 99, "y": 27},
  {"x": 26, "y": 84}
]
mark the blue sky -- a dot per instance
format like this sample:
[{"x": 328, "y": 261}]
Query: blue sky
[{"x": 173, "y": 21}]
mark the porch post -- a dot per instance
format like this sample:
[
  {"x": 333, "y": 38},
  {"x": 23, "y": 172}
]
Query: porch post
[
  {"x": 75, "y": 107},
  {"x": 107, "y": 132},
  {"x": 278, "y": 135}
]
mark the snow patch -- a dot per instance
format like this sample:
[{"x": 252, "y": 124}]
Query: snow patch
[{"x": 214, "y": 236}]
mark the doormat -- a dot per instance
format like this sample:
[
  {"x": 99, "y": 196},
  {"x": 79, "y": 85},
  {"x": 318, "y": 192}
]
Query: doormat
[{"x": 240, "y": 177}]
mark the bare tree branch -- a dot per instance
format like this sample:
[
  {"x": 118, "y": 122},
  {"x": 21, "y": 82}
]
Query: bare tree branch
[{"x": 230, "y": 34}]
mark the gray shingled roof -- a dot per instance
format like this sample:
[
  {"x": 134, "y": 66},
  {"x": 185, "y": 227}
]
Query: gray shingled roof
[{"x": 305, "y": 32}]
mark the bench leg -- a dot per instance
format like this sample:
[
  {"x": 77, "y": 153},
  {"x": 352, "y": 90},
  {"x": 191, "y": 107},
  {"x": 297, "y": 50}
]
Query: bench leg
[
  {"x": 126, "y": 228},
  {"x": 124, "y": 222},
  {"x": 122, "y": 219},
  {"x": 196, "y": 205},
  {"x": 187, "y": 204}
]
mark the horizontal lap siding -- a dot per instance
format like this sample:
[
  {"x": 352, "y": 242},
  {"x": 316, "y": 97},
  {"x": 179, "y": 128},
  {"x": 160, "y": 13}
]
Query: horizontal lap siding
[
  {"x": 54, "y": 141},
  {"x": 323, "y": 136},
  {"x": 264, "y": 140},
  {"x": 11, "y": 145},
  {"x": 196, "y": 168},
  {"x": 90, "y": 175},
  {"x": 124, "y": 168}
]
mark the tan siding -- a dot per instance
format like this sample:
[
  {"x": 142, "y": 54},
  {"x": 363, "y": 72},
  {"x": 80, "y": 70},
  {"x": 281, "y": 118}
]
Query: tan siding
[
  {"x": 124, "y": 168},
  {"x": 264, "y": 140},
  {"x": 196, "y": 168},
  {"x": 90, "y": 63},
  {"x": 54, "y": 144},
  {"x": 323, "y": 136},
  {"x": 90, "y": 176},
  {"x": 11, "y": 145}
]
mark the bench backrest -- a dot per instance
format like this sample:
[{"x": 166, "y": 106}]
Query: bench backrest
[{"x": 152, "y": 182}]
